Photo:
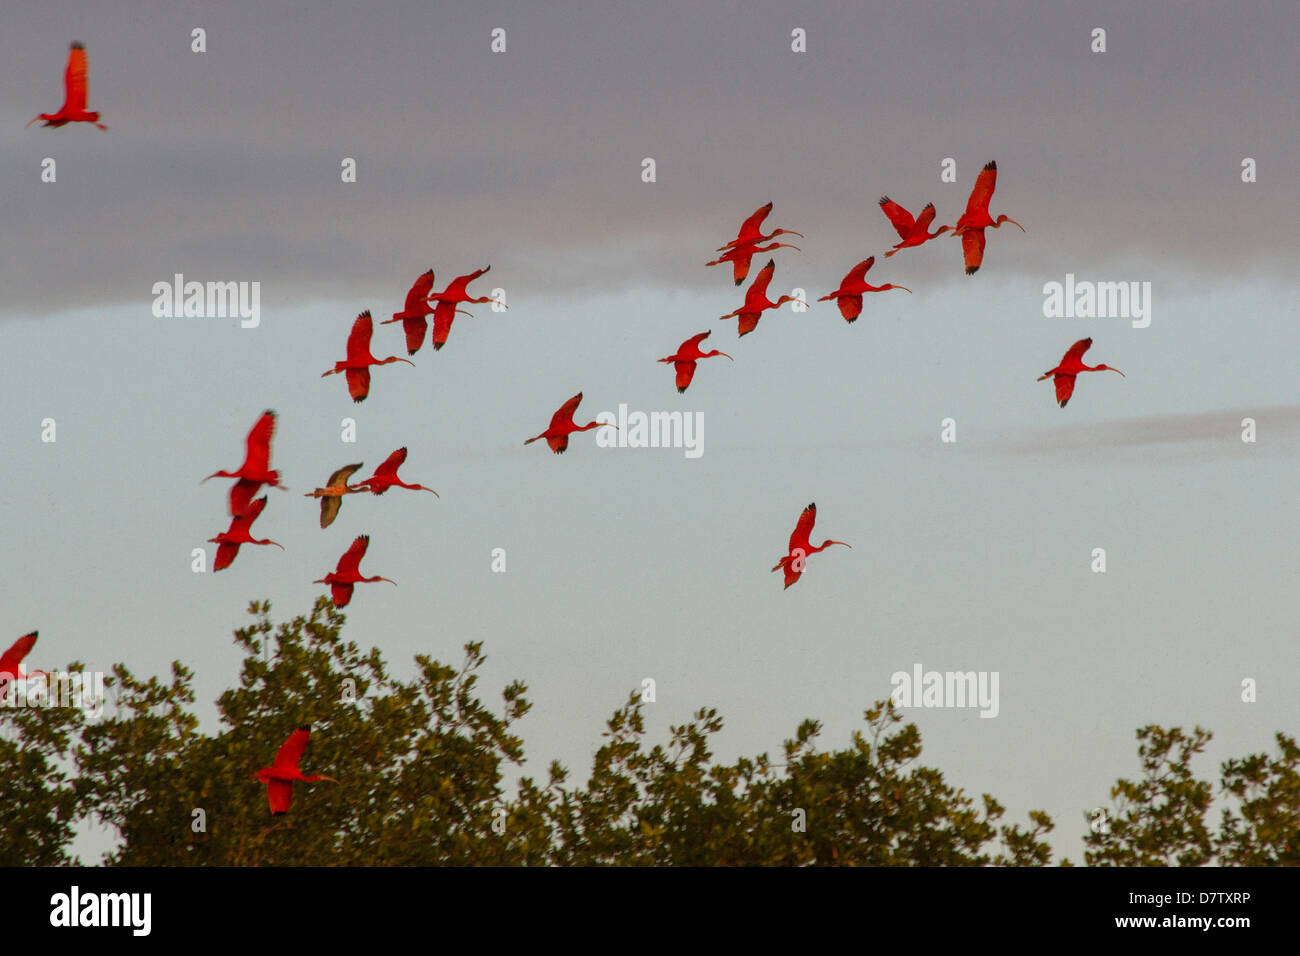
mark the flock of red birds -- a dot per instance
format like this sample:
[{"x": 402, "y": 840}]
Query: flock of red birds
[{"x": 421, "y": 302}]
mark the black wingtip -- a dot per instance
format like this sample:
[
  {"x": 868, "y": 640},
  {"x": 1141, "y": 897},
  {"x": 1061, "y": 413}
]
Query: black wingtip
[
  {"x": 971, "y": 272},
  {"x": 76, "y": 45},
  {"x": 306, "y": 727},
  {"x": 991, "y": 164}
]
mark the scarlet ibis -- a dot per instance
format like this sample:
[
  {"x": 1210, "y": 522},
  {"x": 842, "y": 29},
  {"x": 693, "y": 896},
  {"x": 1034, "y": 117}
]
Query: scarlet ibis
[
  {"x": 357, "y": 364},
  {"x": 756, "y": 301},
  {"x": 801, "y": 547},
  {"x": 279, "y": 777},
  {"x": 913, "y": 232},
  {"x": 413, "y": 313},
  {"x": 976, "y": 219},
  {"x": 385, "y": 476},
  {"x": 740, "y": 256},
  {"x": 687, "y": 354},
  {"x": 348, "y": 573},
  {"x": 446, "y": 304},
  {"x": 76, "y": 85},
  {"x": 331, "y": 496},
  {"x": 562, "y": 426},
  {"x": 751, "y": 230},
  {"x": 1071, "y": 365},
  {"x": 256, "y": 469},
  {"x": 12, "y": 658},
  {"x": 228, "y": 541},
  {"x": 849, "y": 295}
]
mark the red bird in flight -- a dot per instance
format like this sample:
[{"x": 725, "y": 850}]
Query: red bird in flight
[
  {"x": 331, "y": 496},
  {"x": 447, "y": 300},
  {"x": 256, "y": 469},
  {"x": 740, "y": 256},
  {"x": 562, "y": 426},
  {"x": 279, "y": 777},
  {"x": 751, "y": 231},
  {"x": 913, "y": 232},
  {"x": 228, "y": 541},
  {"x": 757, "y": 302},
  {"x": 348, "y": 573},
  {"x": 413, "y": 313},
  {"x": 687, "y": 354},
  {"x": 357, "y": 364},
  {"x": 10, "y": 671},
  {"x": 385, "y": 476},
  {"x": 976, "y": 219},
  {"x": 76, "y": 85},
  {"x": 801, "y": 547},
  {"x": 849, "y": 295},
  {"x": 1063, "y": 375}
]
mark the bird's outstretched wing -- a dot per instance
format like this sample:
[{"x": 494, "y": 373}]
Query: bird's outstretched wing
[
  {"x": 257, "y": 451},
  {"x": 359, "y": 338},
  {"x": 1064, "y": 388},
  {"x": 972, "y": 249},
  {"x": 350, "y": 562},
  {"x": 1075, "y": 353},
  {"x": 292, "y": 749},
  {"x": 17, "y": 651},
  {"x": 565, "y": 415},
  {"x": 803, "y": 529},
  {"x": 985, "y": 183},
  {"x": 900, "y": 217},
  {"x": 76, "y": 81}
]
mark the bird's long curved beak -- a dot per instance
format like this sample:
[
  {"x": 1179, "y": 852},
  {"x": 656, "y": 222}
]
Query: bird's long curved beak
[
  {"x": 276, "y": 543},
  {"x": 407, "y": 361},
  {"x": 389, "y": 580},
  {"x": 1016, "y": 224},
  {"x": 845, "y": 543},
  {"x": 791, "y": 232},
  {"x": 1115, "y": 370},
  {"x": 728, "y": 356},
  {"x": 435, "y": 494},
  {"x": 903, "y": 287},
  {"x": 33, "y": 120}
]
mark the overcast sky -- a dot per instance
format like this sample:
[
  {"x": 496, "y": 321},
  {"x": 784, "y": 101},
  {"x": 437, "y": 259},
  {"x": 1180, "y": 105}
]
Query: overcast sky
[{"x": 633, "y": 563}]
